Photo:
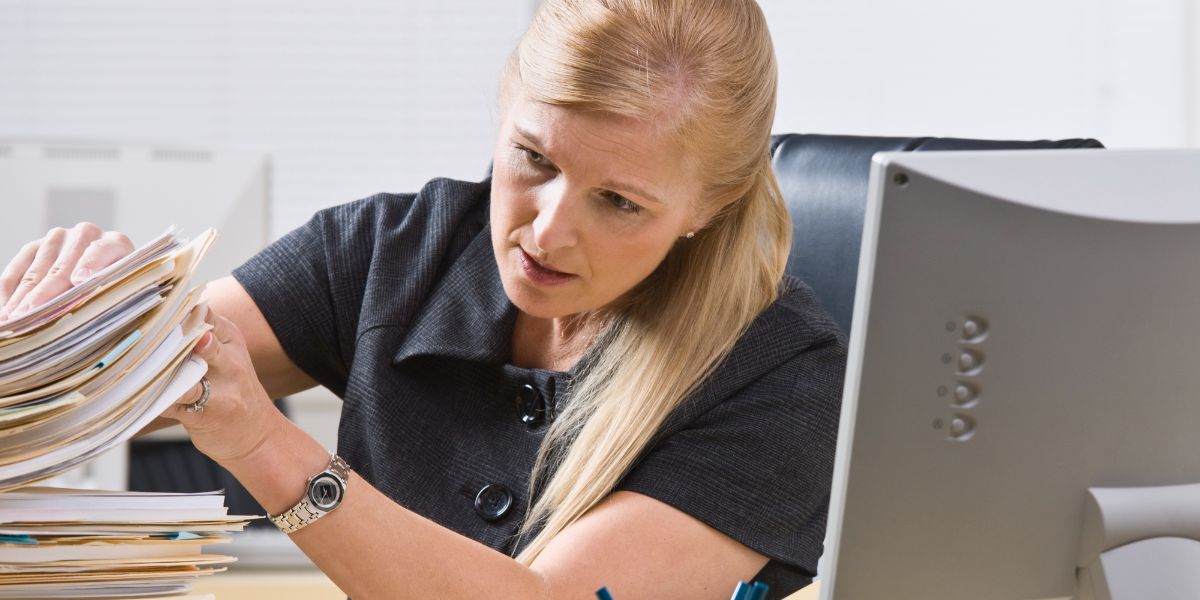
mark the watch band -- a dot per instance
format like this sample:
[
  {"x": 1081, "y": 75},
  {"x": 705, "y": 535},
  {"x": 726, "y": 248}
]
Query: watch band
[{"x": 306, "y": 512}]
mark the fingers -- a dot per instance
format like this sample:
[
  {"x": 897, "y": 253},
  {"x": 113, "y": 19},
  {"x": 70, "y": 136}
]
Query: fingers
[
  {"x": 185, "y": 410},
  {"x": 223, "y": 328},
  {"x": 210, "y": 346},
  {"x": 228, "y": 424},
  {"x": 191, "y": 396},
  {"x": 224, "y": 351},
  {"x": 100, "y": 253},
  {"x": 50, "y": 266},
  {"x": 46, "y": 254},
  {"x": 16, "y": 270},
  {"x": 58, "y": 278}
]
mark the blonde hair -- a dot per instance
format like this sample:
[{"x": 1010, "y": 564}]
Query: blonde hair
[{"x": 703, "y": 71}]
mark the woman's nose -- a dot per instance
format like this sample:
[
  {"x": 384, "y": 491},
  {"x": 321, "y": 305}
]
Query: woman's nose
[{"x": 556, "y": 224}]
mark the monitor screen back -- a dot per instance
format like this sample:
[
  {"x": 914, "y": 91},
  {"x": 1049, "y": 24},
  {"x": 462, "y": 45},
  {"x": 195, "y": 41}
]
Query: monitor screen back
[{"x": 1027, "y": 326}]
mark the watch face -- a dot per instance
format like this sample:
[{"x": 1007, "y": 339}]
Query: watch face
[{"x": 325, "y": 492}]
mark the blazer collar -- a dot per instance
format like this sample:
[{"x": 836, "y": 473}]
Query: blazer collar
[{"x": 468, "y": 315}]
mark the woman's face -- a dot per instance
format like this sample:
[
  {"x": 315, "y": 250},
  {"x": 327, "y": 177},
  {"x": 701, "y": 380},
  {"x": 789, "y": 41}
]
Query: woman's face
[{"x": 584, "y": 206}]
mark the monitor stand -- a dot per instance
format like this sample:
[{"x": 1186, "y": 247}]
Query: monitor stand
[{"x": 1141, "y": 543}]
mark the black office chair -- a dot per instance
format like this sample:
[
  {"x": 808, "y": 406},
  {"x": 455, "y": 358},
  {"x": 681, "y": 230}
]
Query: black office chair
[{"x": 824, "y": 180}]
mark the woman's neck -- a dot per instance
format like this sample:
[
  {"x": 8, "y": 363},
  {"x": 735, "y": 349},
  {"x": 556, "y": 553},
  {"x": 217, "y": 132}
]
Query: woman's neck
[{"x": 553, "y": 344}]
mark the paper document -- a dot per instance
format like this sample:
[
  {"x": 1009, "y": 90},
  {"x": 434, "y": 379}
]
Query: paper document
[
  {"x": 80, "y": 375},
  {"x": 84, "y": 372}
]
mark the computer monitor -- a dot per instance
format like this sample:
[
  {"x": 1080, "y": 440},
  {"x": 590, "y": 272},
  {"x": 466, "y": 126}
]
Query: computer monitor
[
  {"x": 138, "y": 189},
  {"x": 1026, "y": 330}
]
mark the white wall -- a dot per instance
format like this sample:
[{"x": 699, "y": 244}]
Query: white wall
[
  {"x": 351, "y": 98},
  {"x": 1117, "y": 70},
  {"x": 1192, "y": 101}
]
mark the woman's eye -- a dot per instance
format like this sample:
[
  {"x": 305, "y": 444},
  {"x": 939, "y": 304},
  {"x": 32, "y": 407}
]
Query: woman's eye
[
  {"x": 534, "y": 157},
  {"x": 622, "y": 203}
]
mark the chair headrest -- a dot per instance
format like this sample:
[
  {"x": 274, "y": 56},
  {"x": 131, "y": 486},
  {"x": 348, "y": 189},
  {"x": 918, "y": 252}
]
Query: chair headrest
[{"x": 824, "y": 180}]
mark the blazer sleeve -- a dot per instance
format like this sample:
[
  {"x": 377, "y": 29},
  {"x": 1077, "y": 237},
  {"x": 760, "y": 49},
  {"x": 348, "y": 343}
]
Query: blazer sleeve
[
  {"x": 758, "y": 465},
  {"x": 309, "y": 285}
]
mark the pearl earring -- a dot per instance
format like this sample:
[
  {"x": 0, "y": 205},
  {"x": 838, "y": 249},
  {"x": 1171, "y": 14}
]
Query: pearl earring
[{"x": 689, "y": 235}]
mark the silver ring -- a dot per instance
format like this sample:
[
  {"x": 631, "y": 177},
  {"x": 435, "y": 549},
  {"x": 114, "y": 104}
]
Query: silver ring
[{"x": 205, "y": 393}]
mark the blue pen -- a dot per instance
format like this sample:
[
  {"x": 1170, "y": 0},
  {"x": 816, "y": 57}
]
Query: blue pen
[
  {"x": 119, "y": 350},
  {"x": 603, "y": 594},
  {"x": 758, "y": 592},
  {"x": 741, "y": 592}
]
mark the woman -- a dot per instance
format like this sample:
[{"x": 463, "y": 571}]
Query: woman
[{"x": 589, "y": 371}]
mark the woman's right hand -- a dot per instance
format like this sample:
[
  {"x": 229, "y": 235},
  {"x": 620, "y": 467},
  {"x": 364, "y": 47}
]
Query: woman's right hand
[{"x": 45, "y": 268}]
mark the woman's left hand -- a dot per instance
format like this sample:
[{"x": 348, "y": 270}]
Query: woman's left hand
[{"x": 230, "y": 425}]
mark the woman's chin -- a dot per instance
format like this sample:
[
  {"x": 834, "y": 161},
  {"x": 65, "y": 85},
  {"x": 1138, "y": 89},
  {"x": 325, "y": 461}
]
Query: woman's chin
[
  {"x": 536, "y": 302},
  {"x": 540, "y": 308}
]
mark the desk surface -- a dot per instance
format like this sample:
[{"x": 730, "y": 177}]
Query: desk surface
[
  {"x": 812, "y": 592},
  {"x": 275, "y": 585}
]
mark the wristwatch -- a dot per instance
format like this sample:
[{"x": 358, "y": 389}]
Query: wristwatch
[{"x": 325, "y": 492}]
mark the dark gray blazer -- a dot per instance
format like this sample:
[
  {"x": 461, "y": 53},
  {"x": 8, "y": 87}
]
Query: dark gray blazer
[{"x": 394, "y": 302}]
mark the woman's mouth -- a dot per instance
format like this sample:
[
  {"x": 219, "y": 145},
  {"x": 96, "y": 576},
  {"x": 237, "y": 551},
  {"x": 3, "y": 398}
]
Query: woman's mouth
[{"x": 540, "y": 274}]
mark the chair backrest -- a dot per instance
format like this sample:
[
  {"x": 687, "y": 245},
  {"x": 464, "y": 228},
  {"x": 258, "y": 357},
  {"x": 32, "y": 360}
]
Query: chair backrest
[{"x": 824, "y": 180}]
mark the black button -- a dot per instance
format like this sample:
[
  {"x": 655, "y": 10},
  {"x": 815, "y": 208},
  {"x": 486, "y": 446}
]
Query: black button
[
  {"x": 533, "y": 407},
  {"x": 492, "y": 502}
]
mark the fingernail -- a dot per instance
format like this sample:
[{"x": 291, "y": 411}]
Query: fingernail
[
  {"x": 205, "y": 340},
  {"x": 80, "y": 274}
]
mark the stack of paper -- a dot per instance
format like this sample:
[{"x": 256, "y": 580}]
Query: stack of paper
[
  {"x": 57, "y": 543},
  {"x": 87, "y": 370},
  {"x": 78, "y": 376}
]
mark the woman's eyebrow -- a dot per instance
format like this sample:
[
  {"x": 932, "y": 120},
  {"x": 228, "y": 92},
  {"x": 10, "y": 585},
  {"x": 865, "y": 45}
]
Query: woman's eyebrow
[
  {"x": 534, "y": 141},
  {"x": 532, "y": 137},
  {"x": 629, "y": 187}
]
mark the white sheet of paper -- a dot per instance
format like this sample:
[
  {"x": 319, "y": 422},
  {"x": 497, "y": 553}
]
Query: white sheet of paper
[
  {"x": 119, "y": 589},
  {"x": 111, "y": 515},
  {"x": 58, "y": 496},
  {"x": 34, "y": 554}
]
